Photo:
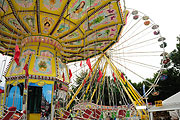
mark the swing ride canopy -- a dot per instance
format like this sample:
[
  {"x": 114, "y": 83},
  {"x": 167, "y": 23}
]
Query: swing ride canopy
[{"x": 78, "y": 29}]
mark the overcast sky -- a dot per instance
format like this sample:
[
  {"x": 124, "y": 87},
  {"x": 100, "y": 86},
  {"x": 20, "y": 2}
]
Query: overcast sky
[{"x": 165, "y": 13}]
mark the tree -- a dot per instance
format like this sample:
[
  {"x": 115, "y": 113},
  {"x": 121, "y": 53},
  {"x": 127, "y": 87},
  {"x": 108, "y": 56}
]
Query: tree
[
  {"x": 171, "y": 85},
  {"x": 175, "y": 55}
]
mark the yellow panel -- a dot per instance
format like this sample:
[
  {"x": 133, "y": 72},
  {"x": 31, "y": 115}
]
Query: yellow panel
[
  {"x": 44, "y": 66},
  {"x": 71, "y": 50},
  {"x": 46, "y": 50},
  {"x": 5, "y": 8},
  {"x": 108, "y": 16},
  {"x": 31, "y": 48},
  {"x": 11, "y": 21},
  {"x": 63, "y": 27},
  {"x": 68, "y": 25},
  {"x": 53, "y": 6},
  {"x": 24, "y": 4},
  {"x": 13, "y": 81},
  {"x": 36, "y": 81},
  {"x": 47, "y": 23},
  {"x": 2, "y": 49},
  {"x": 47, "y": 45},
  {"x": 33, "y": 43},
  {"x": 73, "y": 44},
  {"x": 29, "y": 20},
  {"x": 109, "y": 33},
  {"x": 5, "y": 31},
  {"x": 6, "y": 39},
  {"x": 34, "y": 116},
  {"x": 73, "y": 36},
  {"x": 78, "y": 9},
  {"x": 15, "y": 70}
]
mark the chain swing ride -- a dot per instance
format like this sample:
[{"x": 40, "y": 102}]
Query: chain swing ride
[{"x": 51, "y": 42}]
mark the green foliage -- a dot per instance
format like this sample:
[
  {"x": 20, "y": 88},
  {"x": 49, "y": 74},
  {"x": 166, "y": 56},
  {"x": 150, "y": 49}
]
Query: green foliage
[
  {"x": 171, "y": 85},
  {"x": 175, "y": 55}
]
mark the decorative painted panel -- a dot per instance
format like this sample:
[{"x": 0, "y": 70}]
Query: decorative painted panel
[
  {"x": 44, "y": 66},
  {"x": 15, "y": 70}
]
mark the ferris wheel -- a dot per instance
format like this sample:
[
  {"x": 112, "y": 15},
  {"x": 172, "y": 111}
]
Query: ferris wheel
[{"x": 140, "y": 51}]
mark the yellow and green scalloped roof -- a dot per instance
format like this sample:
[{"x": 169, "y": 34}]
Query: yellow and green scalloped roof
[{"x": 83, "y": 28}]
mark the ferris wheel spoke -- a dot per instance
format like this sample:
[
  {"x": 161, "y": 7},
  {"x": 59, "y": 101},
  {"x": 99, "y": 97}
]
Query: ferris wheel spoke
[
  {"x": 147, "y": 52},
  {"x": 130, "y": 28},
  {"x": 143, "y": 66},
  {"x": 138, "y": 56},
  {"x": 135, "y": 35},
  {"x": 131, "y": 71},
  {"x": 142, "y": 42},
  {"x": 146, "y": 45},
  {"x": 139, "y": 38},
  {"x": 129, "y": 23},
  {"x": 140, "y": 63},
  {"x": 134, "y": 31}
]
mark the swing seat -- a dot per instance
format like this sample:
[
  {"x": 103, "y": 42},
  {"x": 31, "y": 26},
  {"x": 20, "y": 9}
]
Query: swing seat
[
  {"x": 11, "y": 111},
  {"x": 22, "y": 115},
  {"x": 85, "y": 116},
  {"x": 96, "y": 114},
  {"x": 122, "y": 113},
  {"x": 87, "y": 113},
  {"x": 66, "y": 114}
]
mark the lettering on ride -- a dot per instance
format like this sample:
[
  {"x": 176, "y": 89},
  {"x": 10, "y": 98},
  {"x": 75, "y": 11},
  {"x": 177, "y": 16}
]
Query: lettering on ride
[{"x": 158, "y": 103}]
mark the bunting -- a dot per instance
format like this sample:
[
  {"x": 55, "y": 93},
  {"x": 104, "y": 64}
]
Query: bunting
[
  {"x": 70, "y": 74},
  {"x": 88, "y": 62},
  {"x": 26, "y": 70},
  {"x": 89, "y": 74},
  {"x": 81, "y": 64},
  {"x": 114, "y": 77},
  {"x": 63, "y": 77},
  {"x": 1, "y": 91},
  {"x": 100, "y": 76},
  {"x": 84, "y": 82},
  {"x": 17, "y": 54},
  {"x": 122, "y": 76}
]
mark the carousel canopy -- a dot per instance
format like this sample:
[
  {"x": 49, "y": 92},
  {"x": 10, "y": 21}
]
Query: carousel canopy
[{"x": 81, "y": 28}]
